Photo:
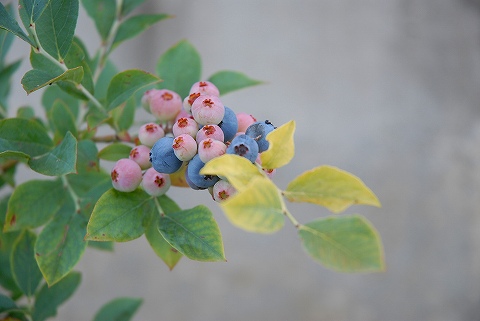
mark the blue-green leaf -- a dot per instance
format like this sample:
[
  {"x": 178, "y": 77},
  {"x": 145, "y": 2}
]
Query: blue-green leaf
[
  {"x": 103, "y": 13},
  {"x": 8, "y": 23},
  {"x": 34, "y": 8},
  {"x": 227, "y": 81},
  {"x": 36, "y": 79},
  {"x": 56, "y": 27},
  {"x": 120, "y": 309}
]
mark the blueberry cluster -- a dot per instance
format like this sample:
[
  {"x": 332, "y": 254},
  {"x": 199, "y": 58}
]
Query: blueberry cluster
[{"x": 192, "y": 132}]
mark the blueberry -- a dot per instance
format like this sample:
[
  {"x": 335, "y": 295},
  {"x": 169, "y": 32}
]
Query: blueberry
[
  {"x": 126, "y": 175},
  {"x": 229, "y": 124},
  {"x": 259, "y": 131},
  {"x": 244, "y": 146},
  {"x": 163, "y": 157},
  {"x": 193, "y": 174}
]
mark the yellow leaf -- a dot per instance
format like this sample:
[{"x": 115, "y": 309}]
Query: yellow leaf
[
  {"x": 281, "y": 149},
  {"x": 259, "y": 208},
  {"x": 238, "y": 170},
  {"x": 330, "y": 187}
]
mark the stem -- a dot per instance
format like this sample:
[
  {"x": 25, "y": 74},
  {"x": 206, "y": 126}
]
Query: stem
[
  {"x": 106, "y": 45},
  {"x": 72, "y": 193},
  {"x": 159, "y": 207},
  {"x": 291, "y": 218},
  {"x": 42, "y": 51}
]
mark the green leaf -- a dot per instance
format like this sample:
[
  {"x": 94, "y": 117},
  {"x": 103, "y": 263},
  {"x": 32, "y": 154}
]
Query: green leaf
[
  {"x": 114, "y": 152},
  {"x": 101, "y": 86},
  {"x": 179, "y": 67},
  {"x": 25, "y": 136},
  {"x": 53, "y": 93},
  {"x": 227, "y": 81},
  {"x": 118, "y": 216},
  {"x": 259, "y": 208},
  {"x": 120, "y": 309},
  {"x": 56, "y": 27},
  {"x": 103, "y": 13},
  {"x": 6, "y": 38},
  {"x": 60, "y": 161},
  {"x": 330, "y": 187},
  {"x": 103, "y": 246},
  {"x": 15, "y": 155},
  {"x": 238, "y": 170},
  {"x": 6, "y": 303},
  {"x": 125, "y": 84},
  {"x": 194, "y": 233},
  {"x": 77, "y": 57},
  {"x": 8, "y": 23},
  {"x": 60, "y": 245},
  {"x": 26, "y": 112},
  {"x": 36, "y": 79},
  {"x": 33, "y": 203},
  {"x": 6, "y": 75},
  {"x": 160, "y": 246},
  {"x": 136, "y": 25},
  {"x": 49, "y": 299},
  {"x": 87, "y": 159},
  {"x": 24, "y": 267},
  {"x": 123, "y": 116},
  {"x": 344, "y": 244},
  {"x": 62, "y": 119},
  {"x": 129, "y": 5},
  {"x": 34, "y": 8},
  {"x": 281, "y": 149}
]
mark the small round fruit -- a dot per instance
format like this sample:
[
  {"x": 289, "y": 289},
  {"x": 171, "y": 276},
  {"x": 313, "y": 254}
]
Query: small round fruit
[
  {"x": 141, "y": 155},
  {"x": 244, "y": 120},
  {"x": 210, "y": 148},
  {"x": 259, "y": 131},
  {"x": 222, "y": 190},
  {"x": 207, "y": 110},
  {"x": 184, "y": 147},
  {"x": 163, "y": 157},
  {"x": 149, "y": 133},
  {"x": 229, "y": 124},
  {"x": 126, "y": 175},
  {"x": 195, "y": 178},
  {"x": 164, "y": 104},
  {"x": 210, "y": 131},
  {"x": 185, "y": 125},
  {"x": 205, "y": 88},
  {"x": 155, "y": 183},
  {"x": 244, "y": 146}
]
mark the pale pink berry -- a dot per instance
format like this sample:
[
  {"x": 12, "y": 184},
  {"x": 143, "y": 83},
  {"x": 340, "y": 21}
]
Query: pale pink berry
[
  {"x": 223, "y": 190},
  {"x": 164, "y": 104},
  {"x": 210, "y": 148},
  {"x": 149, "y": 133},
  {"x": 207, "y": 110},
  {"x": 244, "y": 120},
  {"x": 155, "y": 183},
  {"x": 126, "y": 175},
  {"x": 205, "y": 88},
  {"x": 188, "y": 101},
  {"x": 210, "y": 131},
  {"x": 185, "y": 125},
  {"x": 141, "y": 155},
  {"x": 183, "y": 114},
  {"x": 184, "y": 147}
]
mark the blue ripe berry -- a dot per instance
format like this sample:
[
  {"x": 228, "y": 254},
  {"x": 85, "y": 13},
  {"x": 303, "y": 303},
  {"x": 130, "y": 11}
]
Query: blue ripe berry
[
  {"x": 229, "y": 124},
  {"x": 259, "y": 131},
  {"x": 244, "y": 146},
  {"x": 163, "y": 158},
  {"x": 194, "y": 177}
]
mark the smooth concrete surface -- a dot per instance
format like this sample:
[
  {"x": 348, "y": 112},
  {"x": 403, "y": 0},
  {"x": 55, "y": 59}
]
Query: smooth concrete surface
[{"x": 388, "y": 90}]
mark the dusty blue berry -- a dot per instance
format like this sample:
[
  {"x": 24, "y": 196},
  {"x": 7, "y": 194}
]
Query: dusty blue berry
[
  {"x": 259, "y": 131},
  {"x": 194, "y": 176},
  {"x": 163, "y": 157},
  {"x": 244, "y": 146},
  {"x": 229, "y": 124}
]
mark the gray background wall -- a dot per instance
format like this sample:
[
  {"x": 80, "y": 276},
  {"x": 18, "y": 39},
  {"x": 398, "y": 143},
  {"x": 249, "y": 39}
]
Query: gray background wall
[{"x": 388, "y": 90}]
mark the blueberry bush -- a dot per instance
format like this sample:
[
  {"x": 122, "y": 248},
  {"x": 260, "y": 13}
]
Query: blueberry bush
[{"x": 191, "y": 141}]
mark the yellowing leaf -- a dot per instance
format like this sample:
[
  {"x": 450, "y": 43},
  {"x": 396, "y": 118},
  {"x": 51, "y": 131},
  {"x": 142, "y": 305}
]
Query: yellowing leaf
[
  {"x": 330, "y": 187},
  {"x": 344, "y": 244},
  {"x": 281, "y": 149},
  {"x": 238, "y": 170},
  {"x": 258, "y": 208}
]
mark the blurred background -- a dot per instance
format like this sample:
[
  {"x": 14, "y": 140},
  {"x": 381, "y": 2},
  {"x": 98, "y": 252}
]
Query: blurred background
[{"x": 387, "y": 90}]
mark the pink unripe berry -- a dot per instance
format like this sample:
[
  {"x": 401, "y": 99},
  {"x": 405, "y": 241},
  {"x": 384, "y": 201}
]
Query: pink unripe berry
[
  {"x": 183, "y": 114},
  {"x": 188, "y": 101},
  {"x": 149, "y": 133},
  {"x": 164, "y": 104},
  {"x": 155, "y": 183},
  {"x": 223, "y": 190},
  {"x": 208, "y": 109},
  {"x": 185, "y": 125},
  {"x": 141, "y": 155},
  {"x": 205, "y": 88},
  {"x": 244, "y": 120},
  {"x": 210, "y": 131},
  {"x": 210, "y": 148},
  {"x": 126, "y": 175},
  {"x": 184, "y": 147}
]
